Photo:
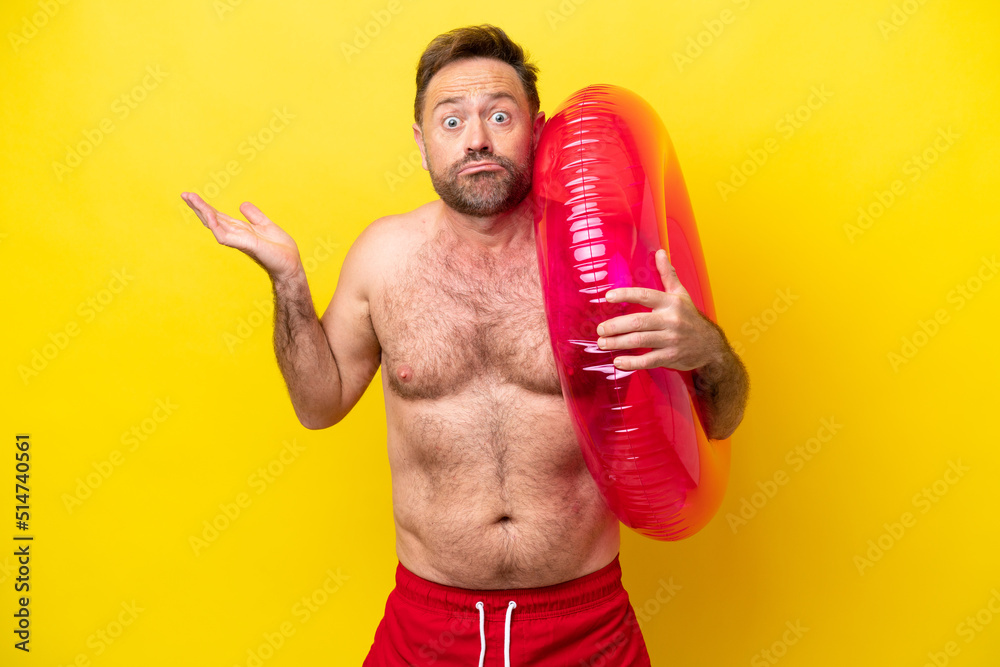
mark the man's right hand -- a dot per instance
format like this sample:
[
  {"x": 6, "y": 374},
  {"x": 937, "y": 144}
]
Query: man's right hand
[{"x": 265, "y": 242}]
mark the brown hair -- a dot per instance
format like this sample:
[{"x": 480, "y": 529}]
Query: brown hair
[{"x": 486, "y": 41}]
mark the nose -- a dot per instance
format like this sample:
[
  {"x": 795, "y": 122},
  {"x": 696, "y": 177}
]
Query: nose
[{"x": 478, "y": 137}]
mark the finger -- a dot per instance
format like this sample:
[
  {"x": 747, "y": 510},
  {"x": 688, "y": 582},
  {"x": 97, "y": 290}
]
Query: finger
[
  {"x": 190, "y": 199},
  {"x": 205, "y": 212},
  {"x": 193, "y": 200},
  {"x": 645, "y": 296},
  {"x": 668, "y": 274},
  {"x": 232, "y": 221},
  {"x": 634, "y": 340},
  {"x": 647, "y": 361},
  {"x": 225, "y": 228},
  {"x": 631, "y": 322},
  {"x": 633, "y": 362},
  {"x": 253, "y": 214}
]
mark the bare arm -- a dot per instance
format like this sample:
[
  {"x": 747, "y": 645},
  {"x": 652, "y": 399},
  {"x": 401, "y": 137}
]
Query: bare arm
[
  {"x": 680, "y": 336},
  {"x": 722, "y": 387},
  {"x": 304, "y": 354},
  {"x": 326, "y": 364}
]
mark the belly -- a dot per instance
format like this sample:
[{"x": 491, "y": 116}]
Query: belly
[{"x": 490, "y": 490}]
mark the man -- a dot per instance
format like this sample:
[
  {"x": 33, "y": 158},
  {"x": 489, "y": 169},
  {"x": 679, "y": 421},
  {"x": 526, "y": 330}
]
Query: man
[{"x": 503, "y": 540}]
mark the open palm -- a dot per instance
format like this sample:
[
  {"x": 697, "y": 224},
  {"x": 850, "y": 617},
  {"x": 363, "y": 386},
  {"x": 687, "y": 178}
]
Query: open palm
[{"x": 265, "y": 242}]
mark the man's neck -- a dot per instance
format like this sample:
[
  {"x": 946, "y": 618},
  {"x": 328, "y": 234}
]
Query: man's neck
[{"x": 493, "y": 233}]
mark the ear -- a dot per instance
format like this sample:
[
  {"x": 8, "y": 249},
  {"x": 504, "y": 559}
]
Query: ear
[
  {"x": 418, "y": 136},
  {"x": 539, "y": 124}
]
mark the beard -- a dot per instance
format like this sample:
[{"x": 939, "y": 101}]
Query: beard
[{"x": 484, "y": 193}]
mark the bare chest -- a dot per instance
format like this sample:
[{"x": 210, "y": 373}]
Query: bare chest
[{"x": 447, "y": 320}]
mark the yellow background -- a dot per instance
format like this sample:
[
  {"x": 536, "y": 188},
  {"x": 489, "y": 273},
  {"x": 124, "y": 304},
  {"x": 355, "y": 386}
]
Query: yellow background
[{"x": 188, "y": 322}]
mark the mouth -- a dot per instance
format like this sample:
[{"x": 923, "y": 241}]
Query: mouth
[{"x": 480, "y": 166}]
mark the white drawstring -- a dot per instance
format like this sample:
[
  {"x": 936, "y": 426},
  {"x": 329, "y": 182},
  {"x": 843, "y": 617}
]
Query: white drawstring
[
  {"x": 482, "y": 634},
  {"x": 506, "y": 633}
]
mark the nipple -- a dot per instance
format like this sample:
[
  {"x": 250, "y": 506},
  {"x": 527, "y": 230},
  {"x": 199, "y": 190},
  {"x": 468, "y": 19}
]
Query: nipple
[{"x": 405, "y": 373}]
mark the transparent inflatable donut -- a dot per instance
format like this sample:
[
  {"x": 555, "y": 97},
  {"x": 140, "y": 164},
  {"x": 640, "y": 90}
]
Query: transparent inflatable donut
[{"x": 608, "y": 192}]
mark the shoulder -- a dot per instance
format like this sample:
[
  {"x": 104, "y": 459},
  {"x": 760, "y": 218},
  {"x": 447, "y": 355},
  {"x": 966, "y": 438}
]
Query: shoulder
[
  {"x": 386, "y": 244},
  {"x": 401, "y": 230}
]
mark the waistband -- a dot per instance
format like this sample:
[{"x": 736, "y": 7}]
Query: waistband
[{"x": 580, "y": 592}]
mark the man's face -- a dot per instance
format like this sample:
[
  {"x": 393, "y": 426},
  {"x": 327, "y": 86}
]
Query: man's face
[{"x": 477, "y": 137}]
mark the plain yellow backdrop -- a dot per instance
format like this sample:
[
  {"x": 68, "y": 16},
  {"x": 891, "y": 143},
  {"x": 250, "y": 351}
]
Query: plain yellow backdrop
[{"x": 841, "y": 160}]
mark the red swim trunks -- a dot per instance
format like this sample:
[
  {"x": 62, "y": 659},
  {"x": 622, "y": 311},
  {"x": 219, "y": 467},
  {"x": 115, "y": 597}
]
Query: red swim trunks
[{"x": 585, "y": 622}]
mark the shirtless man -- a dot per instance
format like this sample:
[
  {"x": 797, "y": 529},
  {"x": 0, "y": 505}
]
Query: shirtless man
[{"x": 494, "y": 507}]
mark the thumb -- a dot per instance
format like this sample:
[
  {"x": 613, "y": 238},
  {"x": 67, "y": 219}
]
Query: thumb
[
  {"x": 253, "y": 214},
  {"x": 671, "y": 283}
]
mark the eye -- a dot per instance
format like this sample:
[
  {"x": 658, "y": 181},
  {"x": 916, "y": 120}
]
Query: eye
[
  {"x": 451, "y": 122},
  {"x": 500, "y": 116}
]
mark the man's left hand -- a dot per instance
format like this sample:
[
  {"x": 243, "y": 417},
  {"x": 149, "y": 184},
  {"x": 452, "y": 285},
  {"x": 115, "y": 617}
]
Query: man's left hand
[{"x": 679, "y": 336}]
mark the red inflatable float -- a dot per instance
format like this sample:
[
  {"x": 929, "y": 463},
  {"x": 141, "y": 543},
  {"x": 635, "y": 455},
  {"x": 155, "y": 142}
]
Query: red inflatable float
[{"x": 608, "y": 193}]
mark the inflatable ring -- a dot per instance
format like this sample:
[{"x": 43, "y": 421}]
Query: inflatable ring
[{"x": 608, "y": 192}]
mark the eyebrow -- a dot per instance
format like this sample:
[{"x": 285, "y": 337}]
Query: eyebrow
[{"x": 491, "y": 96}]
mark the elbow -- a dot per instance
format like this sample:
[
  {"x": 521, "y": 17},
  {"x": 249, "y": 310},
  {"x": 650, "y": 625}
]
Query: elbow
[
  {"x": 725, "y": 434},
  {"x": 317, "y": 422},
  {"x": 721, "y": 436}
]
